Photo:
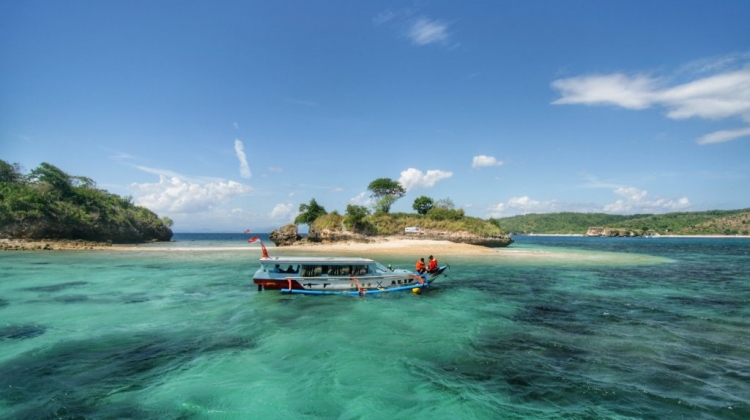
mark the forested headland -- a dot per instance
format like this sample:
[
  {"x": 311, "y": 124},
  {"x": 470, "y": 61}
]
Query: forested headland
[
  {"x": 714, "y": 222},
  {"x": 48, "y": 203}
]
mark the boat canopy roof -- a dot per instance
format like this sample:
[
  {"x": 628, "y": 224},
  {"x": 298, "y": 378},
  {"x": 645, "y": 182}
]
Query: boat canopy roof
[{"x": 316, "y": 260}]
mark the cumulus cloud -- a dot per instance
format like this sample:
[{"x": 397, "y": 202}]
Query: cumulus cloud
[
  {"x": 637, "y": 201},
  {"x": 239, "y": 149},
  {"x": 483, "y": 160},
  {"x": 174, "y": 195},
  {"x": 523, "y": 205},
  {"x": 283, "y": 211},
  {"x": 631, "y": 92},
  {"x": 413, "y": 178},
  {"x": 425, "y": 31},
  {"x": 631, "y": 193},
  {"x": 724, "y": 94},
  {"x": 362, "y": 199}
]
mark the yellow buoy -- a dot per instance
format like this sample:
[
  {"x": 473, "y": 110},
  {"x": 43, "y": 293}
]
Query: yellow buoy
[{"x": 416, "y": 290}]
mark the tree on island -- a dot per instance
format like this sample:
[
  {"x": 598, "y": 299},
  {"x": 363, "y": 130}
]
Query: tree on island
[
  {"x": 423, "y": 204},
  {"x": 309, "y": 212},
  {"x": 385, "y": 191},
  {"x": 356, "y": 219},
  {"x": 10, "y": 173},
  {"x": 445, "y": 209}
]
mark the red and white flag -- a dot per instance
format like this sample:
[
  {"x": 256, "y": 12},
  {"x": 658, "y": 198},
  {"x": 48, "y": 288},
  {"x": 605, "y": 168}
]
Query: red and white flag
[{"x": 253, "y": 239}]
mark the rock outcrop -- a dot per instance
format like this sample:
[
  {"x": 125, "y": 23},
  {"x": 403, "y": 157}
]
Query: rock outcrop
[
  {"x": 463, "y": 237},
  {"x": 50, "y": 245},
  {"x": 124, "y": 233},
  {"x": 285, "y": 235}
]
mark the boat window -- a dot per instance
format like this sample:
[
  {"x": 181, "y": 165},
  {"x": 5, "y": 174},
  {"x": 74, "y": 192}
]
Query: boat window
[
  {"x": 334, "y": 270},
  {"x": 383, "y": 269},
  {"x": 339, "y": 270},
  {"x": 358, "y": 270},
  {"x": 313, "y": 270},
  {"x": 286, "y": 268}
]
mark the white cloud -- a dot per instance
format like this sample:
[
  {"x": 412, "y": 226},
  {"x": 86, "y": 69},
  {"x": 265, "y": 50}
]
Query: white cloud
[
  {"x": 496, "y": 210},
  {"x": 717, "y": 96},
  {"x": 523, "y": 205},
  {"x": 616, "y": 89},
  {"x": 483, "y": 160},
  {"x": 724, "y": 135},
  {"x": 636, "y": 201},
  {"x": 362, "y": 199},
  {"x": 425, "y": 31},
  {"x": 283, "y": 212},
  {"x": 631, "y": 193},
  {"x": 174, "y": 195},
  {"x": 412, "y": 178},
  {"x": 239, "y": 149},
  {"x": 121, "y": 156},
  {"x": 529, "y": 205}
]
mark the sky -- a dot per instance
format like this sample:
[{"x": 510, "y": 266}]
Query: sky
[{"x": 227, "y": 115}]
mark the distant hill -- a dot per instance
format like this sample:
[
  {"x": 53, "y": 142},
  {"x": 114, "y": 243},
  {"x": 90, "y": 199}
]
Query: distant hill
[
  {"x": 50, "y": 204},
  {"x": 714, "y": 222}
]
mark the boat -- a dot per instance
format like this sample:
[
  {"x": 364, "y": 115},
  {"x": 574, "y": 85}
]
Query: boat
[{"x": 352, "y": 276}]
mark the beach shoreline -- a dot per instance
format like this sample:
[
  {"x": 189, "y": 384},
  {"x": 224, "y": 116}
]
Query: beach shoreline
[
  {"x": 379, "y": 245},
  {"x": 383, "y": 245}
]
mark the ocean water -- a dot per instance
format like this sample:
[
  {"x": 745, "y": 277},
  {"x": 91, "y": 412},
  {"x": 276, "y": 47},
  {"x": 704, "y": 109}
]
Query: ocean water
[{"x": 589, "y": 328}]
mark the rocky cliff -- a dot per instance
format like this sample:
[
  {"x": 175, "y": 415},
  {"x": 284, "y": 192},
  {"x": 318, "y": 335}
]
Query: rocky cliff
[{"x": 134, "y": 232}]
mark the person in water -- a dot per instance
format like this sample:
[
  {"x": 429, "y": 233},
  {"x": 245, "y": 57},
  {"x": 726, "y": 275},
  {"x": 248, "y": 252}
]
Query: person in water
[
  {"x": 433, "y": 265},
  {"x": 420, "y": 266}
]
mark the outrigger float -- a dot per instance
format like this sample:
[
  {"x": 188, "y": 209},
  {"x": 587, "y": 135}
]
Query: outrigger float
[{"x": 337, "y": 276}]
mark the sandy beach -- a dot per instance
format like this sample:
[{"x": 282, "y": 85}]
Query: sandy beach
[{"x": 376, "y": 246}]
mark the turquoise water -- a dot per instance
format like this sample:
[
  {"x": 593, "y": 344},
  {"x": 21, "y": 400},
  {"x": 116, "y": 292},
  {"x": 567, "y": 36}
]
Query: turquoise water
[{"x": 596, "y": 328}]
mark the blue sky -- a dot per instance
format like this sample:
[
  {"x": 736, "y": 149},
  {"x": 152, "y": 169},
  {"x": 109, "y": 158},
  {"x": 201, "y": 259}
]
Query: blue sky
[{"x": 227, "y": 115}]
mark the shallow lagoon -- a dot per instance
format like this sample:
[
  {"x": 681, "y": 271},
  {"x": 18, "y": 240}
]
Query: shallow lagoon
[{"x": 595, "y": 328}]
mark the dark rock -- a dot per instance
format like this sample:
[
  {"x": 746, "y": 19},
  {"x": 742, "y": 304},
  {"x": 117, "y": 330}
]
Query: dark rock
[{"x": 285, "y": 235}]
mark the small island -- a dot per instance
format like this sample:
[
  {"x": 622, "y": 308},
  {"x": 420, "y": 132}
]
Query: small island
[
  {"x": 50, "y": 209},
  {"x": 434, "y": 220}
]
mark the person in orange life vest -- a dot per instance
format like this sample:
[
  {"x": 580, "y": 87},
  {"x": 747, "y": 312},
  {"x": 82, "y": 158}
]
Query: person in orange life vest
[
  {"x": 420, "y": 266},
  {"x": 433, "y": 265}
]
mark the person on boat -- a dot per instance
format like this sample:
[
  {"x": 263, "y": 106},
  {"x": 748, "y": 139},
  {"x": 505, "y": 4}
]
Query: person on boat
[
  {"x": 420, "y": 266},
  {"x": 433, "y": 265}
]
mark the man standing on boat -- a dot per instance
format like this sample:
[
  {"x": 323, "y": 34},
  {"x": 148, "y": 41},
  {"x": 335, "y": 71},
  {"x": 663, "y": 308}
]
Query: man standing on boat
[
  {"x": 420, "y": 266},
  {"x": 433, "y": 265}
]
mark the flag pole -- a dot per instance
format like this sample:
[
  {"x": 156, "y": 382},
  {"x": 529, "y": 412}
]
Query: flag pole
[{"x": 262, "y": 247}]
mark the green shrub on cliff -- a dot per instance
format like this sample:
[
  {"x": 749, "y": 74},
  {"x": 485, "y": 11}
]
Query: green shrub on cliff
[{"x": 49, "y": 203}]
